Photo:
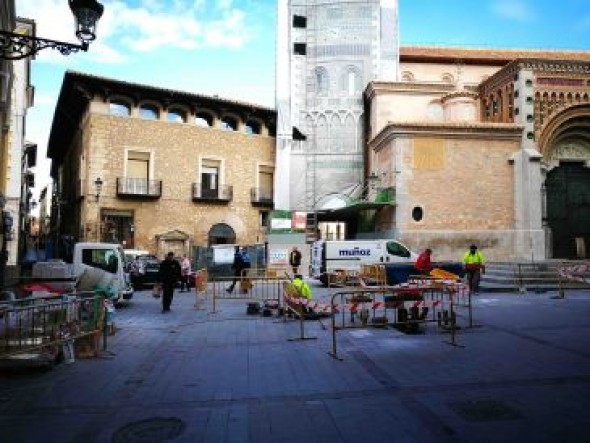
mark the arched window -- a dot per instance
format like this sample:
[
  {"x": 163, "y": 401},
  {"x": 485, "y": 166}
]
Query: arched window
[
  {"x": 221, "y": 234},
  {"x": 351, "y": 80},
  {"x": 448, "y": 78},
  {"x": 322, "y": 83},
  {"x": 176, "y": 116},
  {"x": 229, "y": 123},
  {"x": 149, "y": 112},
  {"x": 119, "y": 108},
  {"x": 204, "y": 119},
  {"x": 252, "y": 127},
  {"x": 407, "y": 76}
]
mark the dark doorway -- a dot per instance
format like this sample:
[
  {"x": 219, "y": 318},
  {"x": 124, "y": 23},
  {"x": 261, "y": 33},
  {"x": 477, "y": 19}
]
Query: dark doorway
[
  {"x": 568, "y": 210},
  {"x": 221, "y": 234}
]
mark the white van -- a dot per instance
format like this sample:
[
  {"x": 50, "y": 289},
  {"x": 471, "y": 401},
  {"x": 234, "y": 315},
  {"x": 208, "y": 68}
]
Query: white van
[{"x": 330, "y": 255}]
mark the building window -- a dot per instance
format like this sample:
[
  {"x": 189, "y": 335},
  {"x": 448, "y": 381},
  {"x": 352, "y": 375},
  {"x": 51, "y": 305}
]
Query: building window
[
  {"x": 448, "y": 78},
  {"x": 148, "y": 112},
  {"x": 265, "y": 182},
  {"x": 300, "y": 48},
  {"x": 299, "y": 21},
  {"x": 210, "y": 178},
  {"x": 351, "y": 81},
  {"x": 204, "y": 119},
  {"x": 120, "y": 109},
  {"x": 252, "y": 127},
  {"x": 417, "y": 213},
  {"x": 229, "y": 123},
  {"x": 263, "y": 219},
  {"x": 176, "y": 116},
  {"x": 138, "y": 172},
  {"x": 321, "y": 80}
]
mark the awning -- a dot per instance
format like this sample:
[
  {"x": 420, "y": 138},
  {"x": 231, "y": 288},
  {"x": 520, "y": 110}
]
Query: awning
[{"x": 357, "y": 207}]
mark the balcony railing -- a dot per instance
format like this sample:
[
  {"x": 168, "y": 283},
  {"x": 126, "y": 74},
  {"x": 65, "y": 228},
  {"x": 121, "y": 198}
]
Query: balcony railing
[
  {"x": 261, "y": 197},
  {"x": 139, "y": 188},
  {"x": 222, "y": 194}
]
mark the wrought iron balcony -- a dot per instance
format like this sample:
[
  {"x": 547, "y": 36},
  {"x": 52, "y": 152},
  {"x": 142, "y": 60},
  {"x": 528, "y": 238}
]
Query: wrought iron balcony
[
  {"x": 261, "y": 197},
  {"x": 222, "y": 194},
  {"x": 140, "y": 188}
]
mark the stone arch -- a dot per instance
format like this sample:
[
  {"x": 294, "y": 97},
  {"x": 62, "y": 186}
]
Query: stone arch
[
  {"x": 562, "y": 124},
  {"x": 221, "y": 234},
  {"x": 565, "y": 145}
]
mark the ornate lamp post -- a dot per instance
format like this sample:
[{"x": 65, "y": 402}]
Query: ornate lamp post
[{"x": 86, "y": 13}]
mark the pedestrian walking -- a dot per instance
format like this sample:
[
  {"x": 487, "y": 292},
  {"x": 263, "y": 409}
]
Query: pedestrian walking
[
  {"x": 240, "y": 266},
  {"x": 474, "y": 265},
  {"x": 295, "y": 260},
  {"x": 168, "y": 275},
  {"x": 185, "y": 269}
]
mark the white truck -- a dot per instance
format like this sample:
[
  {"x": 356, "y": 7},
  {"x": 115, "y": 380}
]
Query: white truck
[
  {"x": 327, "y": 256},
  {"x": 93, "y": 265}
]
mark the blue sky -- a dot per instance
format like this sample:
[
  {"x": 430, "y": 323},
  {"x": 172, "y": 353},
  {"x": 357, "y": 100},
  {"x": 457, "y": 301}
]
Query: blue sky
[{"x": 226, "y": 47}]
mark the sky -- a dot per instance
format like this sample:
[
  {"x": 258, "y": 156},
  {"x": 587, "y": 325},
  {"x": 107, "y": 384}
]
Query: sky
[{"x": 227, "y": 47}]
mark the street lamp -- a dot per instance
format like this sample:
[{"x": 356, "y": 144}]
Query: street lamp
[
  {"x": 15, "y": 46},
  {"x": 98, "y": 187}
]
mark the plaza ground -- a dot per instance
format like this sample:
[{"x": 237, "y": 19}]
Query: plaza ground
[{"x": 521, "y": 373}]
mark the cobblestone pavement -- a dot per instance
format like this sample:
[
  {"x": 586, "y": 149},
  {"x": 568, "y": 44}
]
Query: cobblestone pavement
[{"x": 521, "y": 373}]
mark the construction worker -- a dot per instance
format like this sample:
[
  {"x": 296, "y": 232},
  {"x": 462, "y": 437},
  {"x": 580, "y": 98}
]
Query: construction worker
[
  {"x": 302, "y": 287},
  {"x": 474, "y": 265},
  {"x": 423, "y": 263}
]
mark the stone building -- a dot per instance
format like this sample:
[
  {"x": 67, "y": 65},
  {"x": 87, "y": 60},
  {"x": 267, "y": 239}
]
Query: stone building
[
  {"x": 157, "y": 169},
  {"x": 454, "y": 145},
  {"x": 484, "y": 146}
]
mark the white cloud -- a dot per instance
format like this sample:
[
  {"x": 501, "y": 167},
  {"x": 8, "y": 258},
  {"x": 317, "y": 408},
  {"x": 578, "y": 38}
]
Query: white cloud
[
  {"x": 514, "y": 10},
  {"x": 152, "y": 25}
]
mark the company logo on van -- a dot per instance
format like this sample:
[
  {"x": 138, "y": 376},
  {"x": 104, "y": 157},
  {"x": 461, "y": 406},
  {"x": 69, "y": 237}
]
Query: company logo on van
[{"x": 355, "y": 252}]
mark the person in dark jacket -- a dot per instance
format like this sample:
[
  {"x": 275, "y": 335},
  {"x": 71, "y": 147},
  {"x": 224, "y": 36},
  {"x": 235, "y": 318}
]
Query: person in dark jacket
[
  {"x": 238, "y": 267},
  {"x": 295, "y": 260},
  {"x": 168, "y": 274}
]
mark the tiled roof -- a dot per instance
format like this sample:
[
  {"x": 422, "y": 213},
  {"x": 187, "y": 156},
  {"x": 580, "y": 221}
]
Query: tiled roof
[{"x": 484, "y": 55}]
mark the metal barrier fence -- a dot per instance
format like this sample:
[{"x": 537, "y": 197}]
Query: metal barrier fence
[
  {"x": 391, "y": 303},
  {"x": 40, "y": 325},
  {"x": 247, "y": 287}
]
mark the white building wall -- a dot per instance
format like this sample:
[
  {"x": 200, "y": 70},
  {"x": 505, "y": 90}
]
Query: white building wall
[{"x": 348, "y": 43}]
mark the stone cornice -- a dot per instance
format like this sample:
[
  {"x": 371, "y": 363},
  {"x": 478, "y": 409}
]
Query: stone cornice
[
  {"x": 482, "y": 56},
  {"x": 375, "y": 88},
  {"x": 447, "y": 130},
  {"x": 506, "y": 74},
  {"x": 460, "y": 94}
]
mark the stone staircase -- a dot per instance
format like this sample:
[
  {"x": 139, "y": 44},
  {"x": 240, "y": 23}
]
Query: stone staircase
[{"x": 537, "y": 276}]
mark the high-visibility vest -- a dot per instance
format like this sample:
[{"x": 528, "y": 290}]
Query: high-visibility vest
[
  {"x": 303, "y": 288},
  {"x": 473, "y": 259}
]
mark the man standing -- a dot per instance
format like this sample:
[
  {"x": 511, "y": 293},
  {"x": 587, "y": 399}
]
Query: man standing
[
  {"x": 168, "y": 274},
  {"x": 474, "y": 265},
  {"x": 295, "y": 260},
  {"x": 423, "y": 264},
  {"x": 185, "y": 268}
]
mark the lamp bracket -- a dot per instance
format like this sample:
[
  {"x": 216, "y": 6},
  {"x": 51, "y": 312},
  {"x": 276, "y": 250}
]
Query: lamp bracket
[{"x": 18, "y": 46}]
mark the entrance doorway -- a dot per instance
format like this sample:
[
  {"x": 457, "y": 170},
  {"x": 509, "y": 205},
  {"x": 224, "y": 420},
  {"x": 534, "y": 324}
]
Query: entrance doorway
[
  {"x": 221, "y": 234},
  {"x": 568, "y": 210}
]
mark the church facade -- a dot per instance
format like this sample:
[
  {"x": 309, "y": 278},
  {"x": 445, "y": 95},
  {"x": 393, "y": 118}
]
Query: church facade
[{"x": 457, "y": 145}]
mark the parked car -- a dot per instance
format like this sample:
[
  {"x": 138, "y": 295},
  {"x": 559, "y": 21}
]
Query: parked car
[{"x": 143, "y": 271}]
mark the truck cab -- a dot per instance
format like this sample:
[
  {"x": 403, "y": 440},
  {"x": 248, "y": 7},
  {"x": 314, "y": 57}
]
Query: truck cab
[{"x": 109, "y": 260}]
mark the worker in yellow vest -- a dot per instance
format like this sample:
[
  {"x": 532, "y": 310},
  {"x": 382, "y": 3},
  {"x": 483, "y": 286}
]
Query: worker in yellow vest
[
  {"x": 474, "y": 265},
  {"x": 302, "y": 287}
]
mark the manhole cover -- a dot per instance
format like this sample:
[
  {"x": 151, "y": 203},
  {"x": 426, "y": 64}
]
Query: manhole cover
[
  {"x": 484, "y": 410},
  {"x": 150, "y": 430}
]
